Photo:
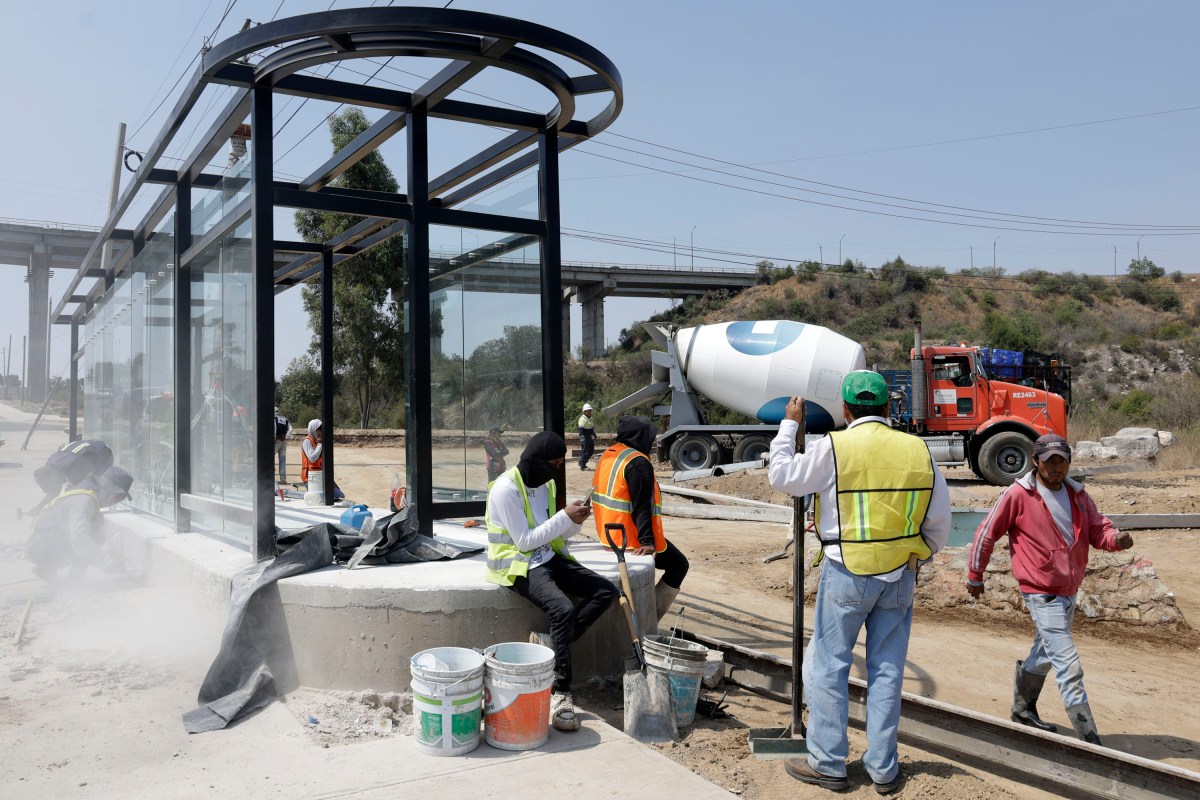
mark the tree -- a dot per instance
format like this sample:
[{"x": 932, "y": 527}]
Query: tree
[
  {"x": 368, "y": 344},
  {"x": 1143, "y": 270}
]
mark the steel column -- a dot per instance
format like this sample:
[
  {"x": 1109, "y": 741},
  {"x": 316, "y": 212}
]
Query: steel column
[
  {"x": 262, "y": 263},
  {"x": 73, "y": 424},
  {"x": 39, "y": 299},
  {"x": 418, "y": 365},
  {"x": 552, "y": 338},
  {"x": 327, "y": 420},
  {"x": 182, "y": 319}
]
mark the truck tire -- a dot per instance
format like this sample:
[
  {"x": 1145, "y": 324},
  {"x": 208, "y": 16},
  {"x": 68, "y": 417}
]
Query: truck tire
[
  {"x": 751, "y": 448},
  {"x": 695, "y": 451},
  {"x": 1005, "y": 457}
]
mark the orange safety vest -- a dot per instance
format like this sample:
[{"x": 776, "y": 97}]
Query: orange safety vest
[
  {"x": 305, "y": 464},
  {"x": 611, "y": 501}
]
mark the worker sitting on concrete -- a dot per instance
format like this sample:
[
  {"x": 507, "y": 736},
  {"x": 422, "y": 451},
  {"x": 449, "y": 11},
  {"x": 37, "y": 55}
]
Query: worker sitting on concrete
[
  {"x": 626, "y": 492},
  {"x": 1050, "y": 522},
  {"x": 68, "y": 466},
  {"x": 70, "y": 531},
  {"x": 528, "y": 553}
]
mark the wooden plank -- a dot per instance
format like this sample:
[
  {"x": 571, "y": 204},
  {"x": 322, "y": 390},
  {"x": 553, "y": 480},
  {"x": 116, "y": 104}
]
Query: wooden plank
[{"x": 718, "y": 499}]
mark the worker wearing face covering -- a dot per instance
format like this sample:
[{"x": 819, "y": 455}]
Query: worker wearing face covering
[
  {"x": 528, "y": 553},
  {"x": 312, "y": 455},
  {"x": 626, "y": 492}
]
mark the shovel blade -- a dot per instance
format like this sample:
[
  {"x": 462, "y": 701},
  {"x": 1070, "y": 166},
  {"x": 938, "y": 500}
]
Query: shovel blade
[{"x": 649, "y": 716}]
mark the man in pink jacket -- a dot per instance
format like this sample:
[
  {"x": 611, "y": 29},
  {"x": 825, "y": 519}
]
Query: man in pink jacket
[{"x": 1050, "y": 522}]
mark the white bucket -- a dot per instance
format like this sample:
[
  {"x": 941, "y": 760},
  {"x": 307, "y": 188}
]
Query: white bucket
[
  {"x": 516, "y": 712},
  {"x": 683, "y": 662},
  {"x": 315, "y": 496},
  {"x": 447, "y": 687}
]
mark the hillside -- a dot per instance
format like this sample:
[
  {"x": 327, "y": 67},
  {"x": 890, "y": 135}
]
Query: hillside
[{"x": 1131, "y": 340}]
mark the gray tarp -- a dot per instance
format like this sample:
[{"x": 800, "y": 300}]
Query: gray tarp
[{"x": 239, "y": 680}]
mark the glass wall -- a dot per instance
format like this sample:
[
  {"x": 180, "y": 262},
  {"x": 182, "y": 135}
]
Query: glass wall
[
  {"x": 486, "y": 353},
  {"x": 127, "y": 371}
]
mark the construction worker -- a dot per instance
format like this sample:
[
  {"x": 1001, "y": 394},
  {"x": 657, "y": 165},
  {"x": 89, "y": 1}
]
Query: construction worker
[
  {"x": 626, "y": 492},
  {"x": 528, "y": 553},
  {"x": 587, "y": 436},
  {"x": 495, "y": 450},
  {"x": 68, "y": 466},
  {"x": 882, "y": 506},
  {"x": 283, "y": 429},
  {"x": 312, "y": 456},
  {"x": 1050, "y": 522},
  {"x": 70, "y": 530}
]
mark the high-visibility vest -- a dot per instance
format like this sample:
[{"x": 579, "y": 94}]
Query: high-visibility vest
[
  {"x": 884, "y": 484},
  {"x": 305, "y": 464},
  {"x": 505, "y": 561},
  {"x": 611, "y": 500},
  {"x": 586, "y": 422}
]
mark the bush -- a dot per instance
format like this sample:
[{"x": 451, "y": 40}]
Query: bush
[
  {"x": 1018, "y": 332},
  {"x": 1136, "y": 405},
  {"x": 988, "y": 300}
]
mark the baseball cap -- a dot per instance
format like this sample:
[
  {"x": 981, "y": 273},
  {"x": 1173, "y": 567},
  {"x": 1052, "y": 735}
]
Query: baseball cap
[
  {"x": 864, "y": 388},
  {"x": 587, "y": 406},
  {"x": 1049, "y": 445}
]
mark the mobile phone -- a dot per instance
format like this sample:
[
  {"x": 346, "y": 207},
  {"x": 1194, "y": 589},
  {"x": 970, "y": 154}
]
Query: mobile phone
[{"x": 587, "y": 501}]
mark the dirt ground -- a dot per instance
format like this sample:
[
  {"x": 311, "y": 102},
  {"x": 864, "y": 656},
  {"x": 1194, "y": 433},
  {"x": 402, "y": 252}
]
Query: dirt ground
[{"x": 1143, "y": 693}]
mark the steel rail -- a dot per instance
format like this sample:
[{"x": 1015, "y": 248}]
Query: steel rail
[{"x": 1061, "y": 764}]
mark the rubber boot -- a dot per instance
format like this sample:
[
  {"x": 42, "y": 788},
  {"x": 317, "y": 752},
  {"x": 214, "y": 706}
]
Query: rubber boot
[
  {"x": 1026, "y": 689},
  {"x": 1084, "y": 723},
  {"x": 664, "y": 595}
]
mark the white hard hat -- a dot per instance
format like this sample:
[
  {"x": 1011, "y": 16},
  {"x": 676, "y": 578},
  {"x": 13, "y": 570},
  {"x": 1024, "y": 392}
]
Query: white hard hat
[{"x": 587, "y": 406}]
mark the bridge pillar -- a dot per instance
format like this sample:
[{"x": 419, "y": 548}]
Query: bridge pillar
[
  {"x": 591, "y": 297},
  {"x": 567, "y": 293},
  {"x": 38, "y": 367}
]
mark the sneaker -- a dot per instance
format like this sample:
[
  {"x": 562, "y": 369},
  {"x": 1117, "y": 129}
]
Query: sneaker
[
  {"x": 799, "y": 769},
  {"x": 562, "y": 712}
]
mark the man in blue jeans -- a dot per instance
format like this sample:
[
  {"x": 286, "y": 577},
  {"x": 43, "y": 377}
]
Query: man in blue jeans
[{"x": 882, "y": 506}]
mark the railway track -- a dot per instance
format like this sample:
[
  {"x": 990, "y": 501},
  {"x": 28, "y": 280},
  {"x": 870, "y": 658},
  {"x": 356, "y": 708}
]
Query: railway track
[{"x": 1060, "y": 764}]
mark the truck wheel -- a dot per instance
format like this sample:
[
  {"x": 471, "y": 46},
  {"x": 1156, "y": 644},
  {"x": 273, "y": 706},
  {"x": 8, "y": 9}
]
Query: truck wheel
[
  {"x": 1005, "y": 457},
  {"x": 695, "y": 451},
  {"x": 752, "y": 448}
]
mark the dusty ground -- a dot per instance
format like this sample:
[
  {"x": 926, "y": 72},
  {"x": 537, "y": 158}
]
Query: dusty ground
[{"x": 1143, "y": 695}]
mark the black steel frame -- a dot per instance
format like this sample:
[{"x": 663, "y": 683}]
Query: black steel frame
[{"x": 271, "y": 59}]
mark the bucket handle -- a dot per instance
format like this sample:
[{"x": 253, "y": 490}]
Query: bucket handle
[{"x": 441, "y": 691}]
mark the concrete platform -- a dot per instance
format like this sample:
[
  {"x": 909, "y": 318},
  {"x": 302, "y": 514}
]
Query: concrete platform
[{"x": 342, "y": 629}]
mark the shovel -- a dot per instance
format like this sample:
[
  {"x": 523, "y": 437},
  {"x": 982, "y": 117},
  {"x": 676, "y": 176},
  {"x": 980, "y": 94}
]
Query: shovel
[{"x": 649, "y": 715}]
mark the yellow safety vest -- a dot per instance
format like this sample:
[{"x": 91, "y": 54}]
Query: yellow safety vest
[
  {"x": 884, "y": 484},
  {"x": 505, "y": 561},
  {"x": 612, "y": 501}
]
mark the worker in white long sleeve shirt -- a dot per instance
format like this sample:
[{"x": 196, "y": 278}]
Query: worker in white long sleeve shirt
[
  {"x": 882, "y": 506},
  {"x": 528, "y": 553}
]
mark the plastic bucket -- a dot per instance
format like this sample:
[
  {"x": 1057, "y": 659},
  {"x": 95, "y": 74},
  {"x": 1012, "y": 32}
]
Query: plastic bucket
[
  {"x": 683, "y": 663},
  {"x": 447, "y": 687},
  {"x": 315, "y": 489},
  {"x": 516, "y": 706}
]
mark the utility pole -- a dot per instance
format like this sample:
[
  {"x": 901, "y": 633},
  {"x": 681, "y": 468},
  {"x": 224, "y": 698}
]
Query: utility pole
[
  {"x": 994, "y": 252},
  {"x": 674, "y": 254},
  {"x": 1139, "y": 247},
  {"x": 972, "y": 256},
  {"x": 1114, "y": 261},
  {"x": 840, "y": 249},
  {"x": 693, "y": 247},
  {"x": 821, "y": 250}
]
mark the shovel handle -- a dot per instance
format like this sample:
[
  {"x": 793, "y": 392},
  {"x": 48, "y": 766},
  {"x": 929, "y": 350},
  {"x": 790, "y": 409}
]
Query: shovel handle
[
  {"x": 633, "y": 632},
  {"x": 620, "y": 551}
]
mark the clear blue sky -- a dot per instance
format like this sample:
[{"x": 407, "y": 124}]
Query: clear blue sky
[{"x": 909, "y": 100}]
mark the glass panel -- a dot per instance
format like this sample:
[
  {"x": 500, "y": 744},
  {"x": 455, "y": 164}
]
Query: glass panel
[
  {"x": 514, "y": 197},
  {"x": 222, "y": 403},
  {"x": 486, "y": 353}
]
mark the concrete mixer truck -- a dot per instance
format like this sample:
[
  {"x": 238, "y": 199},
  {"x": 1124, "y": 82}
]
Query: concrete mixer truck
[{"x": 947, "y": 397}]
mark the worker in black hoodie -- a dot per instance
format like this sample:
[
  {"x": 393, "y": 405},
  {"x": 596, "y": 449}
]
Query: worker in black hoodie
[{"x": 626, "y": 492}]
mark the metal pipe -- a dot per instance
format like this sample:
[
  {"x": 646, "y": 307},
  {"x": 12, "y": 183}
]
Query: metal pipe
[{"x": 920, "y": 393}]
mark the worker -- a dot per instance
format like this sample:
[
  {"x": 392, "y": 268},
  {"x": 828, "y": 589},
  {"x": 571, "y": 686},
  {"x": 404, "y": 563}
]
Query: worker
[
  {"x": 70, "y": 530},
  {"x": 68, "y": 466},
  {"x": 496, "y": 450},
  {"x": 626, "y": 492},
  {"x": 1050, "y": 522},
  {"x": 283, "y": 429},
  {"x": 312, "y": 456},
  {"x": 528, "y": 553},
  {"x": 587, "y": 436},
  {"x": 882, "y": 508}
]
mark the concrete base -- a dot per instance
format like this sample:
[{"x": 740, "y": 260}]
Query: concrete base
[{"x": 354, "y": 630}]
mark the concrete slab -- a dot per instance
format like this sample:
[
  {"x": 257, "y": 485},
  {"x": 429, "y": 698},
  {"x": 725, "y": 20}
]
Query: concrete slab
[{"x": 357, "y": 629}]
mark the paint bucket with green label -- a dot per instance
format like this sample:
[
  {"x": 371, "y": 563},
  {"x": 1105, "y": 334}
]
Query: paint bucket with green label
[{"x": 447, "y": 687}]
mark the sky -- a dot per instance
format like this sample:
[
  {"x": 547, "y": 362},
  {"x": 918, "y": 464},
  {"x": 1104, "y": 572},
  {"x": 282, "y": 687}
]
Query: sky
[{"x": 786, "y": 130}]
